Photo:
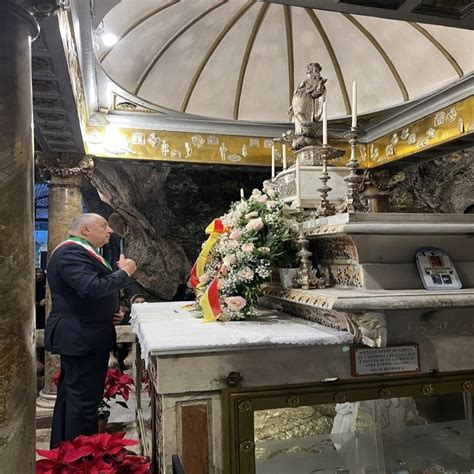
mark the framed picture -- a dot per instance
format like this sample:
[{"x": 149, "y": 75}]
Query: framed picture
[{"x": 436, "y": 269}]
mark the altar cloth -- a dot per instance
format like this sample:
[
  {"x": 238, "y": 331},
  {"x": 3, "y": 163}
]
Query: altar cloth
[{"x": 168, "y": 328}]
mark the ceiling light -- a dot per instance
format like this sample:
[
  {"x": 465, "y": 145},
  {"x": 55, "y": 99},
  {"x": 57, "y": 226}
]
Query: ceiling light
[{"x": 109, "y": 39}]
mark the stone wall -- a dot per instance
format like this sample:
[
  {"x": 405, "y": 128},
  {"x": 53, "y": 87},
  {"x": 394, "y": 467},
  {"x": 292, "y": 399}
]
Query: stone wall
[{"x": 162, "y": 212}]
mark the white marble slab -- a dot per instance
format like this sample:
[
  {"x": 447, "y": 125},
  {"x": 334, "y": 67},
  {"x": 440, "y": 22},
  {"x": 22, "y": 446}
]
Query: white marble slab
[{"x": 167, "y": 328}]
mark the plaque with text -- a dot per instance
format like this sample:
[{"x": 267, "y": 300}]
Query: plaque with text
[
  {"x": 385, "y": 360},
  {"x": 436, "y": 269}
]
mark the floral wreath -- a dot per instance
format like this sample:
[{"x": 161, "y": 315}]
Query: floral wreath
[{"x": 236, "y": 261}]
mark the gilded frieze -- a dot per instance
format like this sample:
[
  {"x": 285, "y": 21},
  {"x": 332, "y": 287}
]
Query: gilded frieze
[{"x": 445, "y": 125}]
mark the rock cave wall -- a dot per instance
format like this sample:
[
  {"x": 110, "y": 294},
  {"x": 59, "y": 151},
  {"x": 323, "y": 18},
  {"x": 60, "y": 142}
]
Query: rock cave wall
[
  {"x": 443, "y": 185},
  {"x": 162, "y": 211}
]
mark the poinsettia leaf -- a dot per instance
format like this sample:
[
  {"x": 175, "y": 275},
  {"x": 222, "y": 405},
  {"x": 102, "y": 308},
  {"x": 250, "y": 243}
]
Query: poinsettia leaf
[
  {"x": 124, "y": 393},
  {"x": 78, "y": 453},
  {"x": 51, "y": 454}
]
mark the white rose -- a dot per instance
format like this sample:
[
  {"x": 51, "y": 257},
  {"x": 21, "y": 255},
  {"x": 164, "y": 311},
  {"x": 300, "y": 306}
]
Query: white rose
[
  {"x": 246, "y": 273},
  {"x": 229, "y": 260}
]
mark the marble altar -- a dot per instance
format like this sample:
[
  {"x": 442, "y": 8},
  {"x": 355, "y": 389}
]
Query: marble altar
[{"x": 190, "y": 362}]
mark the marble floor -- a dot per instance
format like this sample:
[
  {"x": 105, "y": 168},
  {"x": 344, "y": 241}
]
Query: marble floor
[{"x": 121, "y": 420}]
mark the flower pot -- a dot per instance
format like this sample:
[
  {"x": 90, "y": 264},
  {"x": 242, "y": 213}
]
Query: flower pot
[{"x": 286, "y": 276}]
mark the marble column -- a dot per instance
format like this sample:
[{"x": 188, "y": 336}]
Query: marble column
[
  {"x": 18, "y": 29},
  {"x": 66, "y": 173}
]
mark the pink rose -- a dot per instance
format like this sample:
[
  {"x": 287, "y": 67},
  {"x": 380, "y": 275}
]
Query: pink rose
[
  {"x": 248, "y": 248},
  {"x": 271, "y": 204},
  {"x": 236, "y": 234},
  {"x": 263, "y": 199},
  {"x": 255, "y": 224},
  {"x": 235, "y": 303}
]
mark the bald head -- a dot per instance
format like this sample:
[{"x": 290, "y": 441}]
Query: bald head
[{"x": 91, "y": 227}]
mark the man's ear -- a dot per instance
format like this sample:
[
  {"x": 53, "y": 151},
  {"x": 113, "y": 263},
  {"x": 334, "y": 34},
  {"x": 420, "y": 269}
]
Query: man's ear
[{"x": 85, "y": 230}]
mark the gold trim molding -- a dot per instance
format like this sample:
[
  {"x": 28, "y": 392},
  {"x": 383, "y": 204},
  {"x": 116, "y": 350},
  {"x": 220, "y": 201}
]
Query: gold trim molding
[{"x": 449, "y": 123}]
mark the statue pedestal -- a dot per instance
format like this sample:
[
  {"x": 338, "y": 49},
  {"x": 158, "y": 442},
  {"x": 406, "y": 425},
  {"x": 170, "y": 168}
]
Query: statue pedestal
[{"x": 310, "y": 182}]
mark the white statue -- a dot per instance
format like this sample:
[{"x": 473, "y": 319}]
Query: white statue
[
  {"x": 165, "y": 148},
  {"x": 223, "y": 151},
  {"x": 189, "y": 149},
  {"x": 307, "y": 107}
]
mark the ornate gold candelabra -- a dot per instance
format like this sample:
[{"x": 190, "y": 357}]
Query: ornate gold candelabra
[{"x": 353, "y": 181}]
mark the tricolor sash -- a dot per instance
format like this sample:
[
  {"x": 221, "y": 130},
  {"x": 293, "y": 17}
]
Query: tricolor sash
[{"x": 86, "y": 245}]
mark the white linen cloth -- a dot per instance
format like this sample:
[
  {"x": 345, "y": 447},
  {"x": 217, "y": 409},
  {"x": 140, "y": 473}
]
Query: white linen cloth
[{"x": 167, "y": 328}]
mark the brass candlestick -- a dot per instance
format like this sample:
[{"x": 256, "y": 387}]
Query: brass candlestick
[{"x": 352, "y": 203}]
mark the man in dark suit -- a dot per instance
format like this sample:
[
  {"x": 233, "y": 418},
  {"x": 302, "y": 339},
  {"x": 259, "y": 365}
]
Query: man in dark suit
[{"x": 85, "y": 297}]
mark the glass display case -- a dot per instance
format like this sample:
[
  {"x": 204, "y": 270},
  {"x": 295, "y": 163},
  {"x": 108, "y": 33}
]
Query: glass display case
[{"x": 419, "y": 424}]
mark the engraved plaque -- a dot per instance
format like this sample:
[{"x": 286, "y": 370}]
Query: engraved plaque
[{"x": 384, "y": 360}]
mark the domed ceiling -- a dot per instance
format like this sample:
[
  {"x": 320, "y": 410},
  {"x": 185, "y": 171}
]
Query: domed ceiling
[{"x": 242, "y": 59}]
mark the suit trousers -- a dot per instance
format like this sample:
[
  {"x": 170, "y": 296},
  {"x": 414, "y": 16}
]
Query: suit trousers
[{"x": 80, "y": 390}]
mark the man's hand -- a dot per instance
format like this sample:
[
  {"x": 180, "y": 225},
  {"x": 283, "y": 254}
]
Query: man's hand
[
  {"x": 118, "y": 316},
  {"x": 126, "y": 264}
]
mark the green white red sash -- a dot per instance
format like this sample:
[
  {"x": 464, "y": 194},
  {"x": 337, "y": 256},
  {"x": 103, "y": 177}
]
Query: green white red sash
[{"x": 86, "y": 245}]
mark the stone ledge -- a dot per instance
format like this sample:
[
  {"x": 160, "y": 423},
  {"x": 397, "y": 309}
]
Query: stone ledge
[
  {"x": 124, "y": 334},
  {"x": 360, "y": 300}
]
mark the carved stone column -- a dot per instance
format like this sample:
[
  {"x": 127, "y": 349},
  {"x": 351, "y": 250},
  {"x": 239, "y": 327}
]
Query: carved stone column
[
  {"x": 18, "y": 29},
  {"x": 66, "y": 174}
]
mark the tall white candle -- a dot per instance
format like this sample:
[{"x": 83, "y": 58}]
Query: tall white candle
[
  {"x": 284, "y": 156},
  {"x": 298, "y": 182},
  {"x": 354, "y": 103},
  {"x": 242, "y": 193},
  {"x": 273, "y": 161},
  {"x": 325, "y": 124}
]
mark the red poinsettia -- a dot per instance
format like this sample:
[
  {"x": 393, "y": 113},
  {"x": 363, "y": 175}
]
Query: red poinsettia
[
  {"x": 96, "y": 454},
  {"x": 105, "y": 443},
  {"x": 116, "y": 383}
]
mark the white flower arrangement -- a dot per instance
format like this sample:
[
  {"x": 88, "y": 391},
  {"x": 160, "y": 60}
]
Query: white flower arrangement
[{"x": 256, "y": 236}]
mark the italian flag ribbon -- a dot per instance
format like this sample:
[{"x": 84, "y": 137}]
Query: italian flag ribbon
[
  {"x": 215, "y": 229},
  {"x": 86, "y": 245}
]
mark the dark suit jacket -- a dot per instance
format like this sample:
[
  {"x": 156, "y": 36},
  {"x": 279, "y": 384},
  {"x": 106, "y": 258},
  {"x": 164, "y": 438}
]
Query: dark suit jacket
[{"x": 85, "y": 297}]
